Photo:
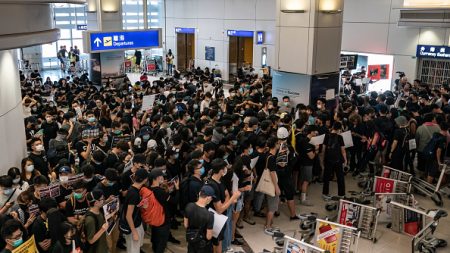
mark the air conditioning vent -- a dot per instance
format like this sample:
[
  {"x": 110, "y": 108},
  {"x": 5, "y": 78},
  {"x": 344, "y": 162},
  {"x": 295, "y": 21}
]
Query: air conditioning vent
[{"x": 424, "y": 18}]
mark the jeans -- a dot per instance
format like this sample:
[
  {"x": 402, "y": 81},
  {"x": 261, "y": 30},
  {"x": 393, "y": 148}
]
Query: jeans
[
  {"x": 132, "y": 245},
  {"x": 169, "y": 69},
  {"x": 226, "y": 243},
  {"x": 328, "y": 173},
  {"x": 258, "y": 200},
  {"x": 160, "y": 236}
]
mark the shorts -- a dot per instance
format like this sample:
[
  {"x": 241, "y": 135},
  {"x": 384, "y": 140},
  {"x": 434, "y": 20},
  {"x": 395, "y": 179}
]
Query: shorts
[
  {"x": 286, "y": 185},
  {"x": 306, "y": 173},
  {"x": 272, "y": 203},
  {"x": 432, "y": 168},
  {"x": 215, "y": 241}
]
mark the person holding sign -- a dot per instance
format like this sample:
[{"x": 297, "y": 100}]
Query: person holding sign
[{"x": 13, "y": 234}]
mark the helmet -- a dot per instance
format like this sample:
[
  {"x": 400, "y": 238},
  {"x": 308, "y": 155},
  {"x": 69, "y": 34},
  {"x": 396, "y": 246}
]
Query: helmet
[{"x": 282, "y": 133}]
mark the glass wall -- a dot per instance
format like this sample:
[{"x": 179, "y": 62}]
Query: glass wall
[{"x": 66, "y": 18}]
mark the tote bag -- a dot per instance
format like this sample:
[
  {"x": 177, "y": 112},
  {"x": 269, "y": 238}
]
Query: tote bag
[{"x": 265, "y": 184}]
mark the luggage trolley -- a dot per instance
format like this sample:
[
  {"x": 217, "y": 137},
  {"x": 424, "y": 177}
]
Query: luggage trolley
[
  {"x": 435, "y": 192},
  {"x": 292, "y": 245},
  {"x": 360, "y": 216},
  {"x": 408, "y": 220},
  {"x": 335, "y": 237},
  {"x": 423, "y": 241}
]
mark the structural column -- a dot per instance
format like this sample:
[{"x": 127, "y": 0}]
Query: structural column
[{"x": 308, "y": 46}]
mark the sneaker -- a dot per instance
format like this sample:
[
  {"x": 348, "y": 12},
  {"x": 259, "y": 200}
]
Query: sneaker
[
  {"x": 237, "y": 242},
  {"x": 238, "y": 236},
  {"x": 173, "y": 240},
  {"x": 249, "y": 221},
  {"x": 306, "y": 203},
  {"x": 326, "y": 197},
  {"x": 271, "y": 231},
  {"x": 295, "y": 217}
]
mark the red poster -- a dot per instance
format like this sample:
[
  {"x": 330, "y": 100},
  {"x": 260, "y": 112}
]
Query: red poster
[
  {"x": 378, "y": 72},
  {"x": 384, "y": 185},
  {"x": 343, "y": 218}
]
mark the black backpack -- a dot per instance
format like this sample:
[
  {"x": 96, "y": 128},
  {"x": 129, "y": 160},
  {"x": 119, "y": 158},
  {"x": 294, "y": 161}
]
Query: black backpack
[
  {"x": 429, "y": 152},
  {"x": 184, "y": 192},
  {"x": 58, "y": 151}
]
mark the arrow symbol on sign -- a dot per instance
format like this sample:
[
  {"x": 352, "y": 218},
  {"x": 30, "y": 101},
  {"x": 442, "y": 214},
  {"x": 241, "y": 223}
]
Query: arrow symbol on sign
[{"x": 97, "y": 41}]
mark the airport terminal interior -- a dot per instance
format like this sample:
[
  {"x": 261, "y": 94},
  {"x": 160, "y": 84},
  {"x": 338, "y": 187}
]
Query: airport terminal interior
[{"x": 234, "y": 126}]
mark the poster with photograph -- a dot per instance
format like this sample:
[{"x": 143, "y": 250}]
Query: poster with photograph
[
  {"x": 349, "y": 214},
  {"x": 328, "y": 236},
  {"x": 110, "y": 210},
  {"x": 93, "y": 133},
  {"x": 294, "y": 247},
  {"x": 33, "y": 209},
  {"x": 51, "y": 191}
]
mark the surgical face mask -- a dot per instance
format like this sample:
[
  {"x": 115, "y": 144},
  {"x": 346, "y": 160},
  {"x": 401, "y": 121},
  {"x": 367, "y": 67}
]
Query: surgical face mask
[
  {"x": 146, "y": 137},
  {"x": 234, "y": 142},
  {"x": 177, "y": 156},
  {"x": 30, "y": 168},
  {"x": 17, "y": 242},
  {"x": 40, "y": 147},
  {"x": 319, "y": 106},
  {"x": 202, "y": 171},
  {"x": 7, "y": 192},
  {"x": 110, "y": 183},
  {"x": 91, "y": 119},
  {"x": 195, "y": 106},
  {"x": 78, "y": 195},
  {"x": 201, "y": 161},
  {"x": 105, "y": 139},
  {"x": 286, "y": 103},
  {"x": 16, "y": 181},
  {"x": 63, "y": 178},
  {"x": 242, "y": 112},
  {"x": 250, "y": 151}
]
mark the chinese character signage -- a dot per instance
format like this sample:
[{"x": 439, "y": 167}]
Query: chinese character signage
[{"x": 438, "y": 52}]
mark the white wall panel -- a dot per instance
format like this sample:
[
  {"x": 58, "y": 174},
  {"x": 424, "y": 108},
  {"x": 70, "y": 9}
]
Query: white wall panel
[
  {"x": 213, "y": 9},
  {"x": 365, "y": 37},
  {"x": 430, "y": 36},
  {"x": 240, "y": 9},
  {"x": 374, "y": 11},
  {"x": 402, "y": 41},
  {"x": 407, "y": 64},
  {"x": 265, "y": 9},
  {"x": 293, "y": 45}
]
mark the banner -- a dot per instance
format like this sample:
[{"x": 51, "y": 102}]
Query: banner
[
  {"x": 350, "y": 214},
  {"x": 51, "y": 191},
  {"x": 27, "y": 247},
  {"x": 384, "y": 185},
  {"x": 295, "y": 86},
  {"x": 328, "y": 236}
]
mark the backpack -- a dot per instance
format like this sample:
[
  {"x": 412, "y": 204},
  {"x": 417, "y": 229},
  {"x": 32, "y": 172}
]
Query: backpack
[
  {"x": 152, "y": 212},
  {"x": 83, "y": 233},
  {"x": 58, "y": 151},
  {"x": 429, "y": 152}
]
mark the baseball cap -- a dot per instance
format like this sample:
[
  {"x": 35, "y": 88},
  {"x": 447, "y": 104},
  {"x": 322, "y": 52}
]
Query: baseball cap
[
  {"x": 65, "y": 169},
  {"x": 208, "y": 191}
]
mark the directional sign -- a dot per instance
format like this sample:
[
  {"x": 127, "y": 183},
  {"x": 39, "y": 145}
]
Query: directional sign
[
  {"x": 427, "y": 51},
  {"x": 239, "y": 33},
  {"x": 121, "y": 40},
  {"x": 259, "y": 37},
  {"x": 185, "y": 30}
]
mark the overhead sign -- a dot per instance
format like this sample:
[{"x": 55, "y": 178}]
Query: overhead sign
[
  {"x": 438, "y": 52},
  {"x": 121, "y": 40},
  {"x": 81, "y": 27},
  {"x": 239, "y": 33},
  {"x": 184, "y": 30},
  {"x": 259, "y": 37}
]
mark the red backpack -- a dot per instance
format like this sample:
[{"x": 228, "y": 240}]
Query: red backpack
[{"x": 152, "y": 212}]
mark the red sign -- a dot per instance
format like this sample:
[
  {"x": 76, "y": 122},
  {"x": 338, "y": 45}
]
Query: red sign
[
  {"x": 151, "y": 67},
  {"x": 378, "y": 72},
  {"x": 384, "y": 185}
]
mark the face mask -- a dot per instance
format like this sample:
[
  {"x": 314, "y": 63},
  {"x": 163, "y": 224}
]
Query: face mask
[
  {"x": 177, "y": 156},
  {"x": 40, "y": 148},
  {"x": 234, "y": 143},
  {"x": 105, "y": 139},
  {"x": 311, "y": 120},
  {"x": 34, "y": 109},
  {"x": 110, "y": 184},
  {"x": 16, "y": 181},
  {"x": 225, "y": 171},
  {"x": 242, "y": 112},
  {"x": 91, "y": 119},
  {"x": 202, "y": 161},
  {"x": 17, "y": 242},
  {"x": 146, "y": 137},
  {"x": 63, "y": 178},
  {"x": 195, "y": 106},
  {"x": 7, "y": 192},
  {"x": 319, "y": 106},
  {"x": 118, "y": 132},
  {"x": 78, "y": 195},
  {"x": 250, "y": 151},
  {"x": 30, "y": 168},
  {"x": 202, "y": 171},
  {"x": 286, "y": 104}
]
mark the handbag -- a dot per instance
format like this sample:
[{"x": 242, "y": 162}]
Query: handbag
[{"x": 265, "y": 184}]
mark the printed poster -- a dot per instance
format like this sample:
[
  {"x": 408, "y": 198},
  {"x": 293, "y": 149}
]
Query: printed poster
[
  {"x": 110, "y": 210},
  {"x": 73, "y": 179},
  {"x": 294, "y": 247},
  {"x": 51, "y": 191},
  {"x": 413, "y": 222},
  {"x": 27, "y": 247},
  {"x": 328, "y": 236},
  {"x": 350, "y": 214},
  {"x": 147, "y": 102},
  {"x": 384, "y": 185}
]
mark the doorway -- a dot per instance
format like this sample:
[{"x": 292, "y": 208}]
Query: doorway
[
  {"x": 185, "y": 51},
  {"x": 240, "y": 56}
]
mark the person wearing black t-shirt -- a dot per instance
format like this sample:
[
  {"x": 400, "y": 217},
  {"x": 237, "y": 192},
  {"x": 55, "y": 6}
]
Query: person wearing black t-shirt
[
  {"x": 307, "y": 153},
  {"x": 222, "y": 199},
  {"x": 13, "y": 234},
  {"x": 195, "y": 183},
  {"x": 199, "y": 222},
  {"x": 50, "y": 128},
  {"x": 135, "y": 239},
  {"x": 77, "y": 204},
  {"x": 40, "y": 228},
  {"x": 38, "y": 156}
]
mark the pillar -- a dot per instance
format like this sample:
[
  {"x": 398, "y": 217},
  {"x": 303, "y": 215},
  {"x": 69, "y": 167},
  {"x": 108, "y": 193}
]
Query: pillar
[{"x": 308, "y": 45}]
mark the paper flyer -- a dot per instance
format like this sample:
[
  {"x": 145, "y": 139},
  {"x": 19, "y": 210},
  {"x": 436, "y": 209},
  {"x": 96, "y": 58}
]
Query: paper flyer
[
  {"x": 219, "y": 222},
  {"x": 253, "y": 162},
  {"x": 318, "y": 140},
  {"x": 348, "y": 139},
  {"x": 147, "y": 102},
  {"x": 328, "y": 236},
  {"x": 27, "y": 247}
]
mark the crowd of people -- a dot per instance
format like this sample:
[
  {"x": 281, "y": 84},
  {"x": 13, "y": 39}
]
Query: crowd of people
[{"x": 101, "y": 172}]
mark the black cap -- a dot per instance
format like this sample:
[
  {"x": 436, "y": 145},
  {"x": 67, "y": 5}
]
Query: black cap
[{"x": 141, "y": 174}]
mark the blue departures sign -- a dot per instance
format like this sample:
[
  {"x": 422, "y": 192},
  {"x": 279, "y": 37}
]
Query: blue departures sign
[
  {"x": 185, "y": 30},
  {"x": 438, "y": 52},
  {"x": 124, "y": 40},
  {"x": 239, "y": 33}
]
